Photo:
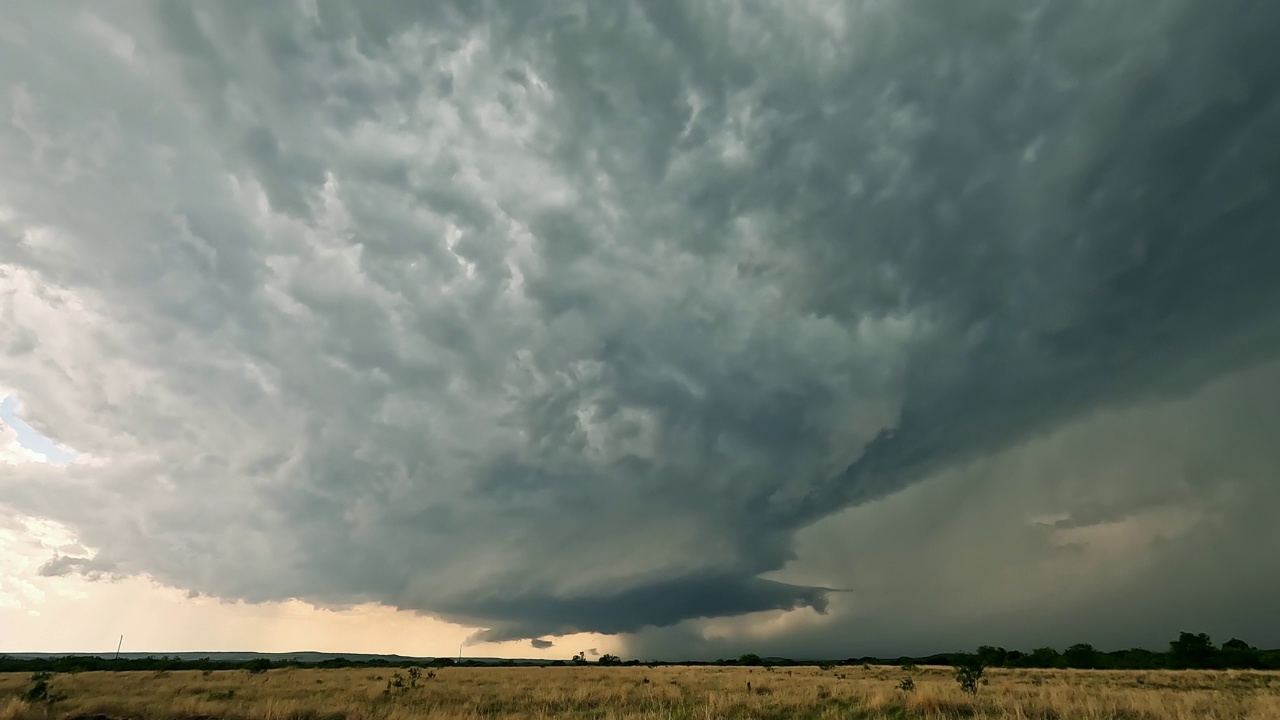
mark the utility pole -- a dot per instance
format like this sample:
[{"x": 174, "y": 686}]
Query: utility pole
[{"x": 118, "y": 646}]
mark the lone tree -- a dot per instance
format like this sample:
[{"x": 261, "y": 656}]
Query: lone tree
[
  {"x": 1192, "y": 650},
  {"x": 1238, "y": 645},
  {"x": 969, "y": 674},
  {"x": 1237, "y": 653},
  {"x": 1043, "y": 657},
  {"x": 991, "y": 656},
  {"x": 1081, "y": 656}
]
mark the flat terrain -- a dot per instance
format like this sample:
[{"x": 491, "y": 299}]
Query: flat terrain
[{"x": 701, "y": 693}]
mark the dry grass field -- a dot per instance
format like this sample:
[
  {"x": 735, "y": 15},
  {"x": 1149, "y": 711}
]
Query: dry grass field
[{"x": 701, "y": 693}]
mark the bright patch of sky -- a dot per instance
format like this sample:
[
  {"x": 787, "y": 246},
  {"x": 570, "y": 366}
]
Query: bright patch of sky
[{"x": 30, "y": 438}]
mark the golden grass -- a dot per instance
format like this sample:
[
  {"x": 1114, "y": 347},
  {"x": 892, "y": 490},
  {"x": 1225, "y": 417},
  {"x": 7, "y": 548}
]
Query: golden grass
[{"x": 703, "y": 693}]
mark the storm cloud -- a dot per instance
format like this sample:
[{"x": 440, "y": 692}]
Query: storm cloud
[{"x": 583, "y": 316}]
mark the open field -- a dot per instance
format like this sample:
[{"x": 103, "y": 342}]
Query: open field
[{"x": 703, "y": 693}]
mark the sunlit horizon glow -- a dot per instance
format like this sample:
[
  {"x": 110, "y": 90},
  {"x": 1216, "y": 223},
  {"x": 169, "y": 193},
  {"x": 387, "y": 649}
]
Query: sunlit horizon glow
[
  {"x": 75, "y": 614},
  {"x": 71, "y": 615}
]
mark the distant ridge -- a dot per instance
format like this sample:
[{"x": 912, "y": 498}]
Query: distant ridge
[
  {"x": 304, "y": 656},
  {"x": 1188, "y": 651}
]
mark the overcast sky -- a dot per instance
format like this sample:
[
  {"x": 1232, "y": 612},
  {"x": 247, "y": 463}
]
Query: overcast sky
[{"x": 672, "y": 328}]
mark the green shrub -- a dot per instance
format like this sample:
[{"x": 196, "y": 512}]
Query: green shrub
[{"x": 968, "y": 675}]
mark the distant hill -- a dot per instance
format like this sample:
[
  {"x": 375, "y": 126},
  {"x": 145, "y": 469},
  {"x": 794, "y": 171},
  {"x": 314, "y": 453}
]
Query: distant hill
[
  {"x": 305, "y": 656},
  {"x": 1189, "y": 650}
]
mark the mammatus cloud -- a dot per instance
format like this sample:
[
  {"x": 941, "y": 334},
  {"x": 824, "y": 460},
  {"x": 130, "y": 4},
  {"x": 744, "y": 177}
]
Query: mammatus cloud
[{"x": 557, "y": 322}]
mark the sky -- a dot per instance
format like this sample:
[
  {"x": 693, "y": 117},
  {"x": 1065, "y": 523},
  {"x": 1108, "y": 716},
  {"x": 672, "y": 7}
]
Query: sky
[{"x": 666, "y": 328}]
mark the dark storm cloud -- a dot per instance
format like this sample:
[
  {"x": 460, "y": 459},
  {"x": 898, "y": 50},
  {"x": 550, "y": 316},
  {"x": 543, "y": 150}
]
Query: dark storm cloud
[
  {"x": 1145, "y": 273},
  {"x": 661, "y": 604},
  {"x": 62, "y": 565},
  {"x": 561, "y": 318},
  {"x": 1121, "y": 528}
]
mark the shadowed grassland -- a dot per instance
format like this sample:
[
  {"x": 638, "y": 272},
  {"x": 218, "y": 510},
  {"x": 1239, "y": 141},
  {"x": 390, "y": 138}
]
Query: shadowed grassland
[{"x": 701, "y": 693}]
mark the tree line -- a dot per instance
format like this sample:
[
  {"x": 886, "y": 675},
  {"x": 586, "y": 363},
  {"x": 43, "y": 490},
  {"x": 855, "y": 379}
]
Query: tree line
[{"x": 1188, "y": 651}]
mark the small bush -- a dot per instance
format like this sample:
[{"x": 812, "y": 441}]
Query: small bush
[
  {"x": 906, "y": 684},
  {"x": 969, "y": 675},
  {"x": 38, "y": 691}
]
